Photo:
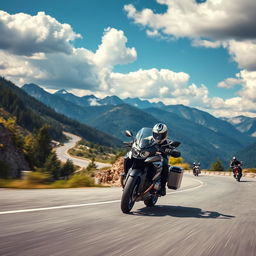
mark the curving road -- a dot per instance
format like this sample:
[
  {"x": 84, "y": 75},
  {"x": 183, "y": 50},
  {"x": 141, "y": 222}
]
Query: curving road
[
  {"x": 62, "y": 153},
  {"x": 209, "y": 216}
]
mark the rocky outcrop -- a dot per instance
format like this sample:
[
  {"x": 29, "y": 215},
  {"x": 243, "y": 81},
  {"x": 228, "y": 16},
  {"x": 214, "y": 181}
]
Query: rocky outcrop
[
  {"x": 10, "y": 154},
  {"x": 112, "y": 175}
]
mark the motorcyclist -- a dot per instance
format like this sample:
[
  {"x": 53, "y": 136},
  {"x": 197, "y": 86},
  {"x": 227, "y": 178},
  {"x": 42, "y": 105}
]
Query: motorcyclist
[
  {"x": 194, "y": 165},
  {"x": 159, "y": 135},
  {"x": 234, "y": 162}
]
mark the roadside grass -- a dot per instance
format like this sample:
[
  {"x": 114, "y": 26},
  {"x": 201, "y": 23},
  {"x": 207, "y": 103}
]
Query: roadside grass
[
  {"x": 102, "y": 158},
  {"x": 249, "y": 170},
  {"x": 37, "y": 180}
]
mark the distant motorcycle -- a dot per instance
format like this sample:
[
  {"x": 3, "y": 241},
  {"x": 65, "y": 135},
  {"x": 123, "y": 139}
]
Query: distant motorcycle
[
  {"x": 143, "y": 179},
  {"x": 196, "y": 170},
  {"x": 237, "y": 173}
]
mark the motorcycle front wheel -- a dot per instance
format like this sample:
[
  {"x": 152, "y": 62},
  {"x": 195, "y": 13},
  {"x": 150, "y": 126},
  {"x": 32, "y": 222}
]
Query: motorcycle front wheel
[{"x": 129, "y": 194}]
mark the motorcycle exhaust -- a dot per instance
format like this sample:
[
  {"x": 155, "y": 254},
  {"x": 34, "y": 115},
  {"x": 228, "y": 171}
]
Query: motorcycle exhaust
[{"x": 148, "y": 189}]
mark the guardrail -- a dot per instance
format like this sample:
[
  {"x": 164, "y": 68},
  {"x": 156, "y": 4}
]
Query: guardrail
[{"x": 247, "y": 175}]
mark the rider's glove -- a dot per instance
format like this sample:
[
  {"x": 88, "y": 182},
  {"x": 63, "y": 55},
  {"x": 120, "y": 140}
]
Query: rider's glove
[{"x": 168, "y": 150}]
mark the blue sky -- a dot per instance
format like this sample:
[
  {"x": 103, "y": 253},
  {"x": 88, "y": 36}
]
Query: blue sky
[{"x": 201, "y": 58}]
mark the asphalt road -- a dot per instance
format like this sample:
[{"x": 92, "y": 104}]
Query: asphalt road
[
  {"x": 210, "y": 215},
  {"x": 62, "y": 153}
]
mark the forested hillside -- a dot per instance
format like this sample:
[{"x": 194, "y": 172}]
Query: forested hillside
[{"x": 32, "y": 114}]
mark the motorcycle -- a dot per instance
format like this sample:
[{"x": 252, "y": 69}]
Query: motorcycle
[
  {"x": 196, "y": 170},
  {"x": 143, "y": 179},
  {"x": 237, "y": 174}
]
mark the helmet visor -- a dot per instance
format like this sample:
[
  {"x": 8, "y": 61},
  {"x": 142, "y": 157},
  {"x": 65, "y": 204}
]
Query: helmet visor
[{"x": 159, "y": 136}]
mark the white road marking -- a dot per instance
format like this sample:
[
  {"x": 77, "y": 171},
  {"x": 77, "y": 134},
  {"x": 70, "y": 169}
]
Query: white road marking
[
  {"x": 58, "y": 207},
  {"x": 202, "y": 184},
  {"x": 89, "y": 204}
]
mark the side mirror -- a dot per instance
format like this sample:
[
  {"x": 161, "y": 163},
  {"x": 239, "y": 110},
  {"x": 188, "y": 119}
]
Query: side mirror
[
  {"x": 175, "y": 144},
  {"x": 128, "y": 133},
  {"x": 175, "y": 153}
]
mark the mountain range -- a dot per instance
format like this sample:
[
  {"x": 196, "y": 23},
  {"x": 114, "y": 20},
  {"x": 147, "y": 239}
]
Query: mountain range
[
  {"x": 204, "y": 137},
  {"x": 32, "y": 114},
  {"x": 244, "y": 124}
]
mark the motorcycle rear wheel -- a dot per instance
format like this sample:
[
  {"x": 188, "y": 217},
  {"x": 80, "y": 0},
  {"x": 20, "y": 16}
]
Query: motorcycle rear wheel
[
  {"x": 129, "y": 194},
  {"x": 151, "y": 201}
]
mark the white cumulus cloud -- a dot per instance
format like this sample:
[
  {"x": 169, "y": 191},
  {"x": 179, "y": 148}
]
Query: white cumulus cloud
[
  {"x": 39, "y": 49},
  {"x": 23, "y": 34},
  {"x": 214, "y": 23},
  {"x": 149, "y": 83},
  {"x": 113, "y": 50},
  {"x": 215, "y": 19}
]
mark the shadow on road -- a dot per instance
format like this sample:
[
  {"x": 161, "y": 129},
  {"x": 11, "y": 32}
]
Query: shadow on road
[
  {"x": 247, "y": 181},
  {"x": 181, "y": 212}
]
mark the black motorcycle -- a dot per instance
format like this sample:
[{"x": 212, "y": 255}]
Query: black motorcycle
[
  {"x": 143, "y": 179},
  {"x": 237, "y": 173},
  {"x": 196, "y": 170}
]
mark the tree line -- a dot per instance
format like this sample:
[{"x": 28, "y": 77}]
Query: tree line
[{"x": 38, "y": 152}]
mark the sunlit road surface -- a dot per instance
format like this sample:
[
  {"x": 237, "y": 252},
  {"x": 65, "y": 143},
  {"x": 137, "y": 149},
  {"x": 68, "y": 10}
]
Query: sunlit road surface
[
  {"x": 209, "y": 215},
  {"x": 62, "y": 153}
]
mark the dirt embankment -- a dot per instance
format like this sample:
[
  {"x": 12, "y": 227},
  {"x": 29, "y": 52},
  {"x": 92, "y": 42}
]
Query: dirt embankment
[
  {"x": 111, "y": 176},
  {"x": 10, "y": 154}
]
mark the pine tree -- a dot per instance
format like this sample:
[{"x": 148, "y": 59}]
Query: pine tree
[
  {"x": 52, "y": 166},
  {"x": 67, "y": 169},
  {"x": 42, "y": 147},
  {"x": 12, "y": 126},
  {"x": 217, "y": 166},
  {"x": 28, "y": 148}
]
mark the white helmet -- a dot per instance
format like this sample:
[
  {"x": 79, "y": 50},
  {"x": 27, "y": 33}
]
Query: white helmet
[
  {"x": 160, "y": 132},
  {"x": 234, "y": 158}
]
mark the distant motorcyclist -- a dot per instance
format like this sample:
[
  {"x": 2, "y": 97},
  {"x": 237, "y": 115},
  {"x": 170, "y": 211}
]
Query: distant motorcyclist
[
  {"x": 234, "y": 162},
  {"x": 195, "y": 166},
  {"x": 160, "y": 136}
]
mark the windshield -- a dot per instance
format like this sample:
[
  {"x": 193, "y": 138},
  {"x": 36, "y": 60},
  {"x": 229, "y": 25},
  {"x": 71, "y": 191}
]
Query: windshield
[{"x": 144, "y": 138}]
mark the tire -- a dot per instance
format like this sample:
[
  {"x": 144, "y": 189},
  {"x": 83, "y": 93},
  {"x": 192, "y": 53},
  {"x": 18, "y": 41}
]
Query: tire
[
  {"x": 128, "y": 197},
  {"x": 151, "y": 201}
]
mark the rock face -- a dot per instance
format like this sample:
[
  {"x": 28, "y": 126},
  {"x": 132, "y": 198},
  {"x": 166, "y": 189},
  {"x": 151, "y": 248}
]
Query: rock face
[
  {"x": 112, "y": 176},
  {"x": 10, "y": 155}
]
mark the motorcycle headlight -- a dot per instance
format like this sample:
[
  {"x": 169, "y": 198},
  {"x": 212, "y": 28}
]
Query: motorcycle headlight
[
  {"x": 144, "y": 154},
  {"x": 135, "y": 152}
]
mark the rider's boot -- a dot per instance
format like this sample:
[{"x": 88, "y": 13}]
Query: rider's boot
[{"x": 162, "y": 190}]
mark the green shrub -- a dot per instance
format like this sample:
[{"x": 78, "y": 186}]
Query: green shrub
[
  {"x": 4, "y": 183},
  {"x": 80, "y": 180},
  {"x": 217, "y": 166},
  {"x": 60, "y": 184},
  {"x": 37, "y": 178}
]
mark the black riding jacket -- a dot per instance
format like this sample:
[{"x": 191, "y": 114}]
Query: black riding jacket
[{"x": 235, "y": 163}]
